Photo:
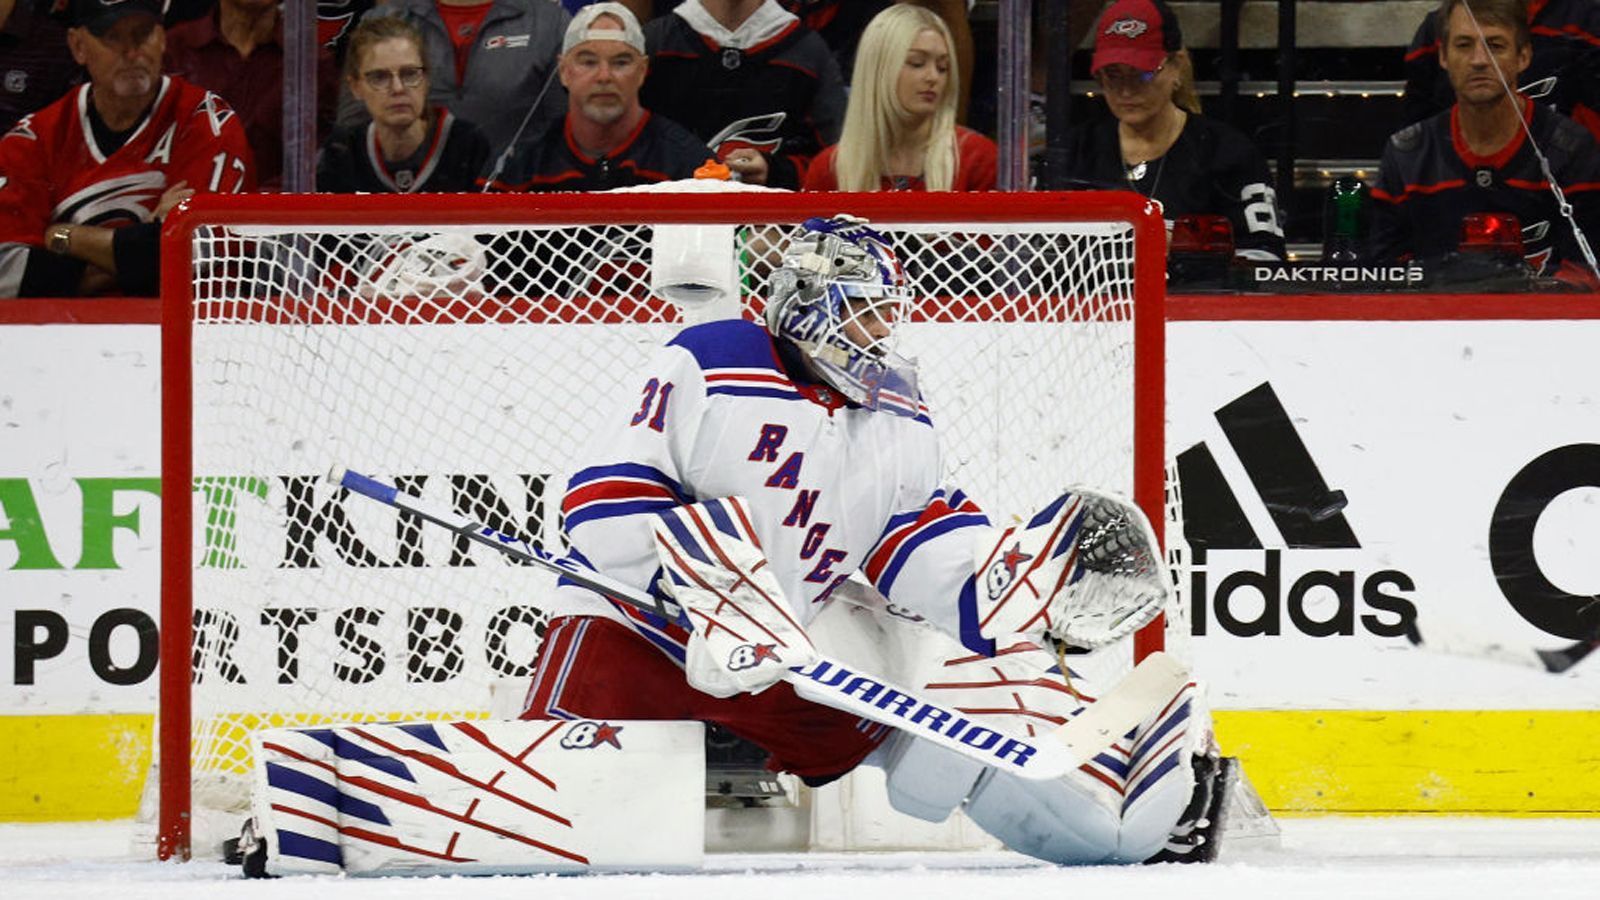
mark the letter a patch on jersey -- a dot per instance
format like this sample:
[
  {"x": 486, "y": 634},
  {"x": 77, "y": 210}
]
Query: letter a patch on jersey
[{"x": 162, "y": 154}]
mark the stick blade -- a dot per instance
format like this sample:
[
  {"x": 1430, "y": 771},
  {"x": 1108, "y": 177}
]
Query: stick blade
[
  {"x": 1558, "y": 661},
  {"x": 1454, "y": 642},
  {"x": 1151, "y": 685}
]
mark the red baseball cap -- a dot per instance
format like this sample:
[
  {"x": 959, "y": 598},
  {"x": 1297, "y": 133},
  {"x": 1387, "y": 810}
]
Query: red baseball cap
[{"x": 1138, "y": 33}]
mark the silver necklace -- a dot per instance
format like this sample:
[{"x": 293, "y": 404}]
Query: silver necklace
[{"x": 1137, "y": 171}]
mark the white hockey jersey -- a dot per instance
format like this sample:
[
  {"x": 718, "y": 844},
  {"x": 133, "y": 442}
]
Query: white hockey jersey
[{"x": 833, "y": 488}]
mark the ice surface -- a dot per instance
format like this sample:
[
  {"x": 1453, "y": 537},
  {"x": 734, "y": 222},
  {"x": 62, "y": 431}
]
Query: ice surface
[{"x": 1416, "y": 858}]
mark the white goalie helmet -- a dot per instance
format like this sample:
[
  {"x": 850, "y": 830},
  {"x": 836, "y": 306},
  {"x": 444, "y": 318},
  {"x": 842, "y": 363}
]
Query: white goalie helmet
[
  {"x": 447, "y": 263},
  {"x": 839, "y": 296}
]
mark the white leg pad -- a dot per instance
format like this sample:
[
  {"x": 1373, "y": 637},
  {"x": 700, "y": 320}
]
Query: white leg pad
[
  {"x": 1065, "y": 821},
  {"x": 1119, "y": 808},
  {"x": 431, "y": 798},
  {"x": 924, "y": 780}
]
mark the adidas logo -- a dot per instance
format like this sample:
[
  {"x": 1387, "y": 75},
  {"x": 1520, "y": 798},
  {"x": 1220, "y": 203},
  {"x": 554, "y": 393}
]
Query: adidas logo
[
  {"x": 1571, "y": 609},
  {"x": 1249, "y": 582}
]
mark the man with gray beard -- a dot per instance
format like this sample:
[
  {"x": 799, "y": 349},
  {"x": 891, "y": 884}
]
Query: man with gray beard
[
  {"x": 85, "y": 182},
  {"x": 607, "y": 139}
]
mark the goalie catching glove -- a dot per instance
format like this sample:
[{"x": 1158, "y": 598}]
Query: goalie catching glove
[
  {"x": 744, "y": 633},
  {"x": 1086, "y": 571}
]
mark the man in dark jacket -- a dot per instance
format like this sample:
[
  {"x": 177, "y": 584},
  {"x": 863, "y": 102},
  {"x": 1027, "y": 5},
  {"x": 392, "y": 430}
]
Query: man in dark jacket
[
  {"x": 607, "y": 139},
  {"x": 716, "y": 62},
  {"x": 1482, "y": 154}
]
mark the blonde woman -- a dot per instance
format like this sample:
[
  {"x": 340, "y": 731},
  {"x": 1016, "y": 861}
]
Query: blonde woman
[
  {"x": 1157, "y": 143},
  {"x": 900, "y": 131}
]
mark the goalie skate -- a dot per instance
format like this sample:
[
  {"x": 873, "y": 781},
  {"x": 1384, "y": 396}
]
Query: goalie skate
[{"x": 1197, "y": 838}]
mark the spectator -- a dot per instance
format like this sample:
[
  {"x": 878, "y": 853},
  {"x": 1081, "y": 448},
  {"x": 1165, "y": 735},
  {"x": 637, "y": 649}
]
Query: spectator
[
  {"x": 609, "y": 140},
  {"x": 236, "y": 52},
  {"x": 715, "y": 63},
  {"x": 491, "y": 62},
  {"x": 85, "y": 181},
  {"x": 407, "y": 147},
  {"x": 900, "y": 129},
  {"x": 35, "y": 67},
  {"x": 1158, "y": 144},
  {"x": 1482, "y": 154},
  {"x": 1564, "y": 71}
]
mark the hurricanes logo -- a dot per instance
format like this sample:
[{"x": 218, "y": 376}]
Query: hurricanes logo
[
  {"x": 588, "y": 735},
  {"x": 1538, "y": 259},
  {"x": 1004, "y": 571},
  {"x": 330, "y": 28},
  {"x": 1128, "y": 28},
  {"x": 506, "y": 41},
  {"x": 748, "y": 656},
  {"x": 125, "y": 199},
  {"x": 23, "y": 129}
]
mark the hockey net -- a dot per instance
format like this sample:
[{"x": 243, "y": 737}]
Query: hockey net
[{"x": 464, "y": 348}]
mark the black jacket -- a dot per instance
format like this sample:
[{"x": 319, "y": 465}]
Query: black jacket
[
  {"x": 1429, "y": 180},
  {"x": 450, "y": 159},
  {"x": 658, "y": 150},
  {"x": 705, "y": 87},
  {"x": 1212, "y": 168}
]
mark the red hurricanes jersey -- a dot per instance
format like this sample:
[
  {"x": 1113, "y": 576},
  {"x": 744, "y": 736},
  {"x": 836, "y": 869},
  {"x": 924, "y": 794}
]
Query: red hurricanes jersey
[{"x": 52, "y": 170}]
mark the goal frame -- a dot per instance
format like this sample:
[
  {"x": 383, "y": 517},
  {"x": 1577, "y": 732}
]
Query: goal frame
[{"x": 177, "y": 328}]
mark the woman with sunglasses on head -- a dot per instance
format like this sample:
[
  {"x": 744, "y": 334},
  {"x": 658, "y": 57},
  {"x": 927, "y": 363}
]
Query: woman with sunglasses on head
[
  {"x": 1158, "y": 144},
  {"x": 407, "y": 147},
  {"x": 900, "y": 130}
]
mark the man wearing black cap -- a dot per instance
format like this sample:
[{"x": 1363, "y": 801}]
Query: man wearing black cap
[{"x": 85, "y": 181}]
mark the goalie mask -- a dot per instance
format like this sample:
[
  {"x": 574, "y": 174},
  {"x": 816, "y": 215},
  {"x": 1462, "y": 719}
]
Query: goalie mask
[{"x": 839, "y": 297}]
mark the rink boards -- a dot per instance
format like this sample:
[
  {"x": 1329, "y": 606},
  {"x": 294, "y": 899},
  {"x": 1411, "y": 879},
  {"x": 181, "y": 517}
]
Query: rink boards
[{"x": 1435, "y": 463}]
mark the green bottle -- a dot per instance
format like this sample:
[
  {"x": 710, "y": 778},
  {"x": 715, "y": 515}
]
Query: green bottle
[{"x": 1344, "y": 220}]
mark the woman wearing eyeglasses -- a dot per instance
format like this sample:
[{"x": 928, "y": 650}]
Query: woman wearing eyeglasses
[
  {"x": 1158, "y": 144},
  {"x": 407, "y": 147}
]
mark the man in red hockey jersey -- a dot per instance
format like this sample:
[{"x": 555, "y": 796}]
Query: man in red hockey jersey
[{"x": 85, "y": 181}]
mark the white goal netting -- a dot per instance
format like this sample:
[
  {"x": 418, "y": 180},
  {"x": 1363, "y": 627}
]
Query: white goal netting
[{"x": 467, "y": 363}]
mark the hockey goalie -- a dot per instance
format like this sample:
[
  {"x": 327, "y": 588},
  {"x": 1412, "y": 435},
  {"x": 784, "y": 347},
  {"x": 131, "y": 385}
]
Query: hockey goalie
[{"x": 780, "y": 483}]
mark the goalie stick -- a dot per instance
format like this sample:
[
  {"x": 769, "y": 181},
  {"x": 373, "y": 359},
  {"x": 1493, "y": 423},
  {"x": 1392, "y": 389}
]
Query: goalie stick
[
  {"x": 1553, "y": 661},
  {"x": 829, "y": 682}
]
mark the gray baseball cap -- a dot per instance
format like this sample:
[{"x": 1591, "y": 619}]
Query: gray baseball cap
[{"x": 582, "y": 27}]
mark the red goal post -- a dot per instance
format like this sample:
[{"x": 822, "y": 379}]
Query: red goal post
[{"x": 307, "y": 331}]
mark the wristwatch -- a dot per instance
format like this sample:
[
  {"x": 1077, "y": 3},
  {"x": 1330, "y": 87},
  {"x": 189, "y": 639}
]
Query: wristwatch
[{"x": 58, "y": 238}]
